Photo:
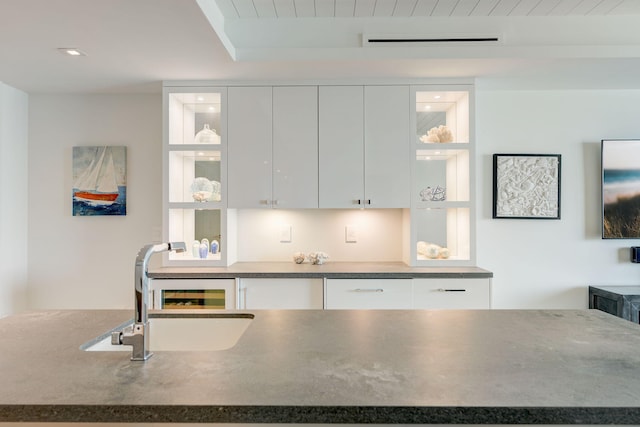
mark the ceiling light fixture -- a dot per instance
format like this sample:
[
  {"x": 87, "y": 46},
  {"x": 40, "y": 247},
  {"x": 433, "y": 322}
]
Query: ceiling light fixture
[{"x": 71, "y": 51}]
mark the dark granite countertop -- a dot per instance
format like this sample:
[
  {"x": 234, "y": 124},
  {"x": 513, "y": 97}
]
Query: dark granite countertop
[
  {"x": 384, "y": 367},
  {"x": 330, "y": 270}
]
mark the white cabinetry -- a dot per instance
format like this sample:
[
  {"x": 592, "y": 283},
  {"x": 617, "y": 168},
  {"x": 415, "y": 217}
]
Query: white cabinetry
[
  {"x": 452, "y": 293},
  {"x": 442, "y": 196},
  {"x": 368, "y": 294},
  {"x": 363, "y": 146},
  {"x": 281, "y": 294},
  {"x": 417, "y": 293},
  {"x": 273, "y": 147}
]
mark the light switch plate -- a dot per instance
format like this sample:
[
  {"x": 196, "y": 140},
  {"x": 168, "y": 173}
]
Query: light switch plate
[
  {"x": 351, "y": 234},
  {"x": 285, "y": 233}
]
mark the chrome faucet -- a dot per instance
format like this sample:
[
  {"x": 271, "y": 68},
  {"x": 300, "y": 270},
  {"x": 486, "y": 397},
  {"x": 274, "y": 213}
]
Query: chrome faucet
[{"x": 138, "y": 337}]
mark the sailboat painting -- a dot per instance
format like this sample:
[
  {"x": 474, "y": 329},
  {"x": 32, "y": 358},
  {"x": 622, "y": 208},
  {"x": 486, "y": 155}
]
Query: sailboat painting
[{"x": 99, "y": 180}]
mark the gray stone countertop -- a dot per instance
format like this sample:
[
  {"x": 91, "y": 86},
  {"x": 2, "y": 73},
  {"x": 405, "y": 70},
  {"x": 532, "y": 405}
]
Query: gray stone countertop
[
  {"x": 408, "y": 367},
  {"x": 331, "y": 270}
]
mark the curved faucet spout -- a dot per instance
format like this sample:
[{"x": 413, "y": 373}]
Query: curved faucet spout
[{"x": 141, "y": 346}]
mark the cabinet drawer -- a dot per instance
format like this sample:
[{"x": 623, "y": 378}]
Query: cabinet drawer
[
  {"x": 452, "y": 293},
  {"x": 368, "y": 293}
]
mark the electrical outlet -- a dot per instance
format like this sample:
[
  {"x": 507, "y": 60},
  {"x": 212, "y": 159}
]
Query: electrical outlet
[
  {"x": 351, "y": 234},
  {"x": 285, "y": 233}
]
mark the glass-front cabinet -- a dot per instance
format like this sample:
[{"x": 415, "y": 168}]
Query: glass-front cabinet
[
  {"x": 195, "y": 158},
  {"x": 442, "y": 207}
]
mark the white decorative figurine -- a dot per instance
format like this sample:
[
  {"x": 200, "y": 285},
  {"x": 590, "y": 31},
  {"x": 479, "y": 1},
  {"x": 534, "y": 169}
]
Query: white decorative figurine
[
  {"x": 437, "y": 134},
  {"x": 318, "y": 258},
  {"x": 299, "y": 257}
]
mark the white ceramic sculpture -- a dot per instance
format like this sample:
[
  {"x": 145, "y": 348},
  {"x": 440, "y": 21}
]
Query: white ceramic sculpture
[
  {"x": 318, "y": 258},
  {"x": 299, "y": 257},
  {"x": 432, "y": 251},
  {"x": 437, "y": 134},
  {"x": 207, "y": 136}
]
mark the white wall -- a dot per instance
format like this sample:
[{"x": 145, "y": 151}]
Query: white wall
[
  {"x": 88, "y": 262},
  {"x": 546, "y": 263},
  {"x": 13, "y": 199}
]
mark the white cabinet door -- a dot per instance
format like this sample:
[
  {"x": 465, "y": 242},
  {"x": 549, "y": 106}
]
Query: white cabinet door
[
  {"x": 452, "y": 293},
  {"x": 364, "y": 146},
  {"x": 341, "y": 146},
  {"x": 368, "y": 294},
  {"x": 387, "y": 146},
  {"x": 295, "y": 147},
  {"x": 281, "y": 294},
  {"x": 273, "y": 147},
  {"x": 249, "y": 133}
]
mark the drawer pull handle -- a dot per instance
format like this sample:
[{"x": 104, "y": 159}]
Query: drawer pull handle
[
  {"x": 368, "y": 290},
  {"x": 451, "y": 290}
]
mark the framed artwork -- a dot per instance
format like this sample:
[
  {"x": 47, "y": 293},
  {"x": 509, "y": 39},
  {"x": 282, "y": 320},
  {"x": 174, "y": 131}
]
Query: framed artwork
[
  {"x": 620, "y": 189},
  {"x": 99, "y": 180},
  {"x": 526, "y": 186}
]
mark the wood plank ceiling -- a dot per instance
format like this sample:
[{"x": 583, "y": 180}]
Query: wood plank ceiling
[{"x": 245, "y": 9}]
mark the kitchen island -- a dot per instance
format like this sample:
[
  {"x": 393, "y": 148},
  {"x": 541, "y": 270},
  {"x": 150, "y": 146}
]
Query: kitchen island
[{"x": 333, "y": 366}]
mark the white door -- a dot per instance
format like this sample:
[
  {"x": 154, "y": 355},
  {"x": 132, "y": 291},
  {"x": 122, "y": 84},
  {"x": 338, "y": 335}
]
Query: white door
[
  {"x": 295, "y": 147},
  {"x": 387, "y": 146},
  {"x": 249, "y": 133},
  {"x": 341, "y": 146}
]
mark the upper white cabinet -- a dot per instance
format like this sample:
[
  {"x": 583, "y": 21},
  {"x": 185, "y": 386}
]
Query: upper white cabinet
[
  {"x": 387, "y": 166},
  {"x": 250, "y": 138},
  {"x": 341, "y": 146},
  {"x": 364, "y": 145},
  {"x": 442, "y": 196},
  {"x": 194, "y": 164},
  {"x": 273, "y": 147}
]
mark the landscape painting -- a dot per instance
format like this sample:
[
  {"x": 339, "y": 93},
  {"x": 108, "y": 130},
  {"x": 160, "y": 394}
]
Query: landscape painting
[
  {"x": 620, "y": 189},
  {"x": 99, "y": 180}
]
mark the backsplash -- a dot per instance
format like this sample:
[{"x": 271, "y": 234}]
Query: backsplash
[{"x": 377, "y": 234}]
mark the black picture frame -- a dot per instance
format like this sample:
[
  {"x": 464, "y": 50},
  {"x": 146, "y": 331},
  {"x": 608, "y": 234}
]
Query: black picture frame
[
  {"x": 526, "y": 186},
  {"x": 620, "y": 196}
]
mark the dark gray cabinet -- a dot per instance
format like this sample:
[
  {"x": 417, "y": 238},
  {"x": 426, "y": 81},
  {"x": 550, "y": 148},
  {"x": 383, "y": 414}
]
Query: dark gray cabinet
[{"x": 621, "y": 301}]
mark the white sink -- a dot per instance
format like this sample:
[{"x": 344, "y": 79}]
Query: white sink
[{"x": 179, "y": 330}]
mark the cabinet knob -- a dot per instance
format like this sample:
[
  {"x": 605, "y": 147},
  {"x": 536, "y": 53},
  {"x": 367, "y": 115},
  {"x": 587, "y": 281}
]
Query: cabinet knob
[
  {"x": 368, "y": 290},
  {"x": 368, "y": 201}
]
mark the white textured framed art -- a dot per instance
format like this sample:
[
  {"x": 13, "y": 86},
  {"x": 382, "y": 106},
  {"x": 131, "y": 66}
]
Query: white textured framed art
[{"x": 526, "y": 186}]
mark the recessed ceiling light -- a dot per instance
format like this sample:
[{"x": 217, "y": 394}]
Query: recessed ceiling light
[
  {"x": 427, "y": 107},
  {"x": 71, "y": 51},
  {"x": 437, "y": 97}
]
